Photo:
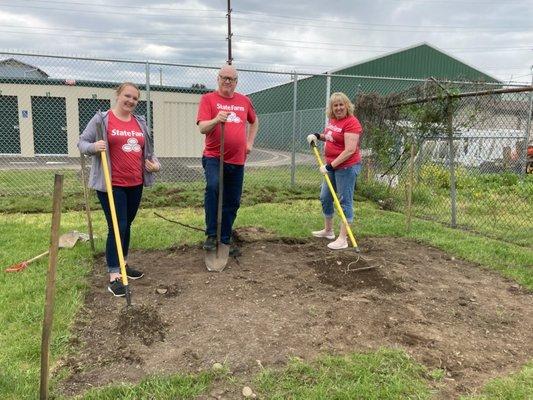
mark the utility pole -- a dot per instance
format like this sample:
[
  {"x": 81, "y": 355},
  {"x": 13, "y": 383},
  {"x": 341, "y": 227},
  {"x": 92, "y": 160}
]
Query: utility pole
[
  {"x": 160, "y": 76},
  {"x": 230, "y": 58}
]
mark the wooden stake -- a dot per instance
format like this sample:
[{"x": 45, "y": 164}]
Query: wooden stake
[
  {"x": 50, "y": 285},
  {"x": 87, "y": 206}
]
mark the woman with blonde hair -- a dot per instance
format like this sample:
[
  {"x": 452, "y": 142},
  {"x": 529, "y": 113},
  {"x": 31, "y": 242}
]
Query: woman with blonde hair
[
  {"x": 125, "y": 138},
  {"x": 343, "y": 164}
]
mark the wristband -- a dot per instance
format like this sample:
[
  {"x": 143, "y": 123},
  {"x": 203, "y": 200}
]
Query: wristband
[
  {"x": 329, "y": 167},
  {"x": 317, "y": 135}
]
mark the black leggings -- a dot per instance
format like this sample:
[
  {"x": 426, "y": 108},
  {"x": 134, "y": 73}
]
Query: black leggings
[{"x": 127, "y": 201}]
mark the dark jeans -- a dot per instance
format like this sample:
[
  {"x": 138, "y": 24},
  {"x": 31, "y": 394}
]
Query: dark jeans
[
  {"x": 231, "y": 201},
  {"x": 127, "y": 201}
]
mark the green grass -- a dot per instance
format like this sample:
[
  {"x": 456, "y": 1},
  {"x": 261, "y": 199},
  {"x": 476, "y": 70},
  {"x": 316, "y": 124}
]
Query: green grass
[
  {"x": 31, "y": 191},
  {"x": 490, "y": 205},
  {"x": 381, "y": 375},
  {"x": 157, "y": 387},
  {"x": 494, "y": 205},
  {"x": 22, "y": 298},
  {"x": 22, "y": 294},
  {"x": 518, "y": 386}
]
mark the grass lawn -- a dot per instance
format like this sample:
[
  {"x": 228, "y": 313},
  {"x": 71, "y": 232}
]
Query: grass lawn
[{"x": 22, "y": 298}]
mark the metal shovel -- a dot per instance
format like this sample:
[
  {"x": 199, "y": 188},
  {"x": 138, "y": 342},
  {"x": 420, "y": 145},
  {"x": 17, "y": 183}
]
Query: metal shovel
[
  {"x": 216, "y": 260},
  {"x": 66, "y": 241}
]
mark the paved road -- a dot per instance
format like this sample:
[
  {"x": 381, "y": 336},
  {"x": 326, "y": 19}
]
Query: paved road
[{"x": 258, "y": 158}]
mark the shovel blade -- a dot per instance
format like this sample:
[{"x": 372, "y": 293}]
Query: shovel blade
[
  {"x": 216, "y": 260},
  {"x": 69, "y": 239}
]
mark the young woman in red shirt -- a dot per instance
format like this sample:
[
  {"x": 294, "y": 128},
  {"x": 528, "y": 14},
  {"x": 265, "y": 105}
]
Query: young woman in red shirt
[{"x": 126, "y": 139}]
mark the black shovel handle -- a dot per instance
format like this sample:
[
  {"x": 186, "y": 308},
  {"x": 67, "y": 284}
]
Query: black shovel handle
[{"x": 220, "y": 184}]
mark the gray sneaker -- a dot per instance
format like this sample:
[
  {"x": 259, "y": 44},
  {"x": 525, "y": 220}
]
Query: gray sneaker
[
  {"x": 210, "y": 243},
  {"x": 234, "y": 251},
  {"x": 133, "y": 273},
  {"x": 117, "y": 288}
]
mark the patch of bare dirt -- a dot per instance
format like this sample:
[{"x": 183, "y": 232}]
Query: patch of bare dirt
[{"x": 286, "y": 297}]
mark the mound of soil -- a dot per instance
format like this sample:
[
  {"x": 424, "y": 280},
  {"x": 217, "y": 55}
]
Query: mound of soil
[
  {"x": 143, "y": 322},
  {"x": 286, "y": 297}
]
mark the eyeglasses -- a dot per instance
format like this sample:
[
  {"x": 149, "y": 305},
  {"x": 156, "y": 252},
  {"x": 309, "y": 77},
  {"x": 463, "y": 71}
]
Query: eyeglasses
[{"x": 227, "y": 79}]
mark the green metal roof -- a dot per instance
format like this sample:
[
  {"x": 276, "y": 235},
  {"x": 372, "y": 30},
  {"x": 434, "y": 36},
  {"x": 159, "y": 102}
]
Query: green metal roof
[
  {"x": 372, "y": 76},
  {"x": 420, "y": 61}
]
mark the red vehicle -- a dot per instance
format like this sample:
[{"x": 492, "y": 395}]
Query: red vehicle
[{"x": 529, "y": 161}]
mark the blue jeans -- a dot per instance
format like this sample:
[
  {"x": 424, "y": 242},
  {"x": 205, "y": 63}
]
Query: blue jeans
[
  {"x": 231, "y": 201},
  {"x": 127, "y": 201},
  {"x": 343, "y": 181}
]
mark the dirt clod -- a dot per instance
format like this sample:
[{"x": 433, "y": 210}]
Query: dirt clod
[{"x": 143, "y": 322}]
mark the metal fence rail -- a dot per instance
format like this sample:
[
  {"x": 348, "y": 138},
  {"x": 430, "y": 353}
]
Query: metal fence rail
[{"x": 469, "y": 170}]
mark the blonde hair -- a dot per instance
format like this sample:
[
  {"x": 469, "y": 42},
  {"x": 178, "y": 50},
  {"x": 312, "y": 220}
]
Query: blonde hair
[
  {"x": 124, "y": 85},
  {"x": 339, "y": 96}
]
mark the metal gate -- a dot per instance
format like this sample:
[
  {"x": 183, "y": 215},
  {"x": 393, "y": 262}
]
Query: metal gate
[
  {"x": 142, "y": 110},
  {"x": 49, "y": 125},
  {"x": 88, "y": 107},
  {"x": 9, "y": 125}
]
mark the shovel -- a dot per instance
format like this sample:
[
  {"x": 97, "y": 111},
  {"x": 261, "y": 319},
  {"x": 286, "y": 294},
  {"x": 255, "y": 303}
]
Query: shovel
[
  {"x": 216, "y": 260},
  {"x": 66, "y": 241},
  {"x": 336, "y": 200}
]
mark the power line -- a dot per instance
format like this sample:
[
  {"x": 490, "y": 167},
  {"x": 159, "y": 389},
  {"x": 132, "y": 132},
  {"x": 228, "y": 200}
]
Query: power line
[
  {"x": 99, "y": 31},
  {"x": 359, "y": 23},
  {"x": 379, "y": 47},
  {"x": 106, "y": 12},
  {"x": 127, "y": 5},
  {"x": 120, "y": 36},
  {"x": 491, "y": 2},
  {"x": 343, "y": 47},
  {"x": 427, "y": 28}
]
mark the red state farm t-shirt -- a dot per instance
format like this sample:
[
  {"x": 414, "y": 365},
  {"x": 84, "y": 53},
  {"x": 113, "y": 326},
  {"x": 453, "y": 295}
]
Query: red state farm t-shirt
[
  {"x": 241, "y": 111},
  {"x": 126, "y": 144},
  {"x": 334, "y": 137}
]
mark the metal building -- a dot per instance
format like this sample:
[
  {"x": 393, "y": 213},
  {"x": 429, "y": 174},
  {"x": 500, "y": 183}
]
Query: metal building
[
  {"x": 391, "y": 73},
  {"x": 420, "y": 61},
  {"x": 44, "y": 117}
]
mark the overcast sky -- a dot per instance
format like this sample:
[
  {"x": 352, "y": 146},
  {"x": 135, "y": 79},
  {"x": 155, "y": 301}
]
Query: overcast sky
[{"x": 312, "y": 35}]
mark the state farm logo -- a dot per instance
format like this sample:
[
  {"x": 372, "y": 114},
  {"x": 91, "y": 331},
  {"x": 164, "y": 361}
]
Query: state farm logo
[
  {"x": 232, "y": 117},
  {"x": 131, "y": 145}
]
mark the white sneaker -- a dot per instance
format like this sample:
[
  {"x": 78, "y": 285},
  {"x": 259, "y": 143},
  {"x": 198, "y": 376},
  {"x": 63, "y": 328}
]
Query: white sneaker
[
  {"x": 324, "y": 234},
  {"x": 338, "y": 244}
]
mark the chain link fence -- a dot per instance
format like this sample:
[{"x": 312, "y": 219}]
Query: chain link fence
[
  {"x": 467, "y": 167},
  {"x": 454, "y": 153}
]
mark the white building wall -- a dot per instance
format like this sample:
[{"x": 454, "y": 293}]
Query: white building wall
[{"x": 174, "y": 117}]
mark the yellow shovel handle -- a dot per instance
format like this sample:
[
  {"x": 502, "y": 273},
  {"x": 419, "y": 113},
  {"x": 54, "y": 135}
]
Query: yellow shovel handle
[
  {"x": 118, "y": 242},
  {"x": 335, "y": 199}
]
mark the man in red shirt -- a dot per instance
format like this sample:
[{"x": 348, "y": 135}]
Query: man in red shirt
[{"x": 236, "y": 111}]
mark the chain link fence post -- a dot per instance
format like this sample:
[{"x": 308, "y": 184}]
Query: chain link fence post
[
  {"x": 527, "y": 133},
  {"x": 294, "y": 111},
  {"x": 148, "y": 103},
  {"x": 453, "y": 189},
  {"x": 328, "y": 95}
]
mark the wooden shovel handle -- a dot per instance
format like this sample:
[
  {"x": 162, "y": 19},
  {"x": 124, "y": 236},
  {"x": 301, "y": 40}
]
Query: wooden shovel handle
[{"x": 37, "y": 257}]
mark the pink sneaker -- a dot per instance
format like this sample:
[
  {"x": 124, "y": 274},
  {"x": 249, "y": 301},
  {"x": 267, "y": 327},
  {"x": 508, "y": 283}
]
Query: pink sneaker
[
  {"x": 324, "y": 234},
  {"x": 338, "y": 244}
]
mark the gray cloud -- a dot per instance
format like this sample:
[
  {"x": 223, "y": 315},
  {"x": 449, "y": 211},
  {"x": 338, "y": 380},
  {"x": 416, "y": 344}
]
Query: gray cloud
[{"x": 496, "y": 37}]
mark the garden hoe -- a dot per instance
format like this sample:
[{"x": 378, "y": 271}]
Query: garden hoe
[
  {"x": 66, "y": 241},
  {"x": 216, "y": 260},
  {"x": 336, "y": 201},
  {"x": 118, "y": 242}
]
